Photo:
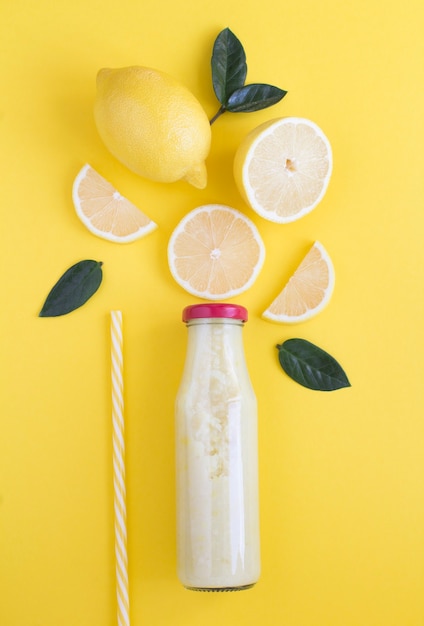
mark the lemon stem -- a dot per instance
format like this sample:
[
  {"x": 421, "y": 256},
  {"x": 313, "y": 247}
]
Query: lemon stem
[{"x": 220, "y": 111}]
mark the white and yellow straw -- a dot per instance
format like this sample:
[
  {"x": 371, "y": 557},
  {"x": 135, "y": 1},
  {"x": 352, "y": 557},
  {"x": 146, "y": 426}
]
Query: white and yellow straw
[{"x": 118, "y": 431}]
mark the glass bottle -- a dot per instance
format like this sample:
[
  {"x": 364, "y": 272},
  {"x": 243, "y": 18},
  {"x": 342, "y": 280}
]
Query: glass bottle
[{"x": 216, "y": 455}]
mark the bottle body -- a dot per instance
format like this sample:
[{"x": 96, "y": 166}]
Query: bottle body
[{"x": 216, "y": 457}]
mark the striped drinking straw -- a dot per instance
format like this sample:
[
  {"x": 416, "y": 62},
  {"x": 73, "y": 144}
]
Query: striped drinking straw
[{"x": 118, "y": 431}]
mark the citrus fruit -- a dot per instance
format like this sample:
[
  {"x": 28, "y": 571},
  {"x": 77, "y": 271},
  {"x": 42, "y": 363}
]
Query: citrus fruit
[
  {"x": 282, "y": 168},
  {"x": 307, "y": 292},
  {"x": 152, "y": 124},
  {"x": 215, "y": 252},
  {"x": 105, "y": 212}
]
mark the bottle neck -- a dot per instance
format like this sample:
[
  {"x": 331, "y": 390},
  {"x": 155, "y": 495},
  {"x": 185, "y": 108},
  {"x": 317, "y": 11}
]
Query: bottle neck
[
  {"x": 214, "y": 340},
  {"x": 215, "y": 352}
]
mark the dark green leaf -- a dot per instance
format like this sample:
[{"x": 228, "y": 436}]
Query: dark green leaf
[
  {"x": 73, "y": 289},
  {"x": 311, "y": 366},
  {"x": 254, "y": 97},
  {"x": 229, "y": 67}
]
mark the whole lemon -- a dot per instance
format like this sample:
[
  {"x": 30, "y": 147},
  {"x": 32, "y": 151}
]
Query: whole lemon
[{"x": 152, "y": 124}]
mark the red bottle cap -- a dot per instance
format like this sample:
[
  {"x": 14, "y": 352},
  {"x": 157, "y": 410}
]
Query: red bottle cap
[{"x": 231, "y": 311}]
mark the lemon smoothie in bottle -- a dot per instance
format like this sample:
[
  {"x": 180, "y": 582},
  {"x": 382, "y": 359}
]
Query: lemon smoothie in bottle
[{"x": 216, "y": 455}]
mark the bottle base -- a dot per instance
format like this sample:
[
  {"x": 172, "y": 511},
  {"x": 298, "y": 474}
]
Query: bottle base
[{"x": 220, "y": 589}]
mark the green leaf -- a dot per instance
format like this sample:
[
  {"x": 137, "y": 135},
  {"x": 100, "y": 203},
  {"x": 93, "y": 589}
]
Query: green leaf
[
  {"x": 254, "y": 97},
  {"x": 311, "y": 366},
  {"x": 229, "y": 67},
  {"x": 73, "y": 289},
  {"x": 229, "y": 71}
]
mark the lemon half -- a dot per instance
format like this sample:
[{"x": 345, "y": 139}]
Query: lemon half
[{"x": 282, "y": 168}]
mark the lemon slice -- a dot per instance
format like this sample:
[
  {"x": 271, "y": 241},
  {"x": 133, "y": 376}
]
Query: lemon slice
[
  {"x": 215, "y": 252},
  {"x": 105, "y": 212},
  {"x": 307, "y": 292},
  {"x": 282, "y": 168}
]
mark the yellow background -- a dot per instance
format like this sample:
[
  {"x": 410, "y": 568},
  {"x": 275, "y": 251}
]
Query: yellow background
[{"x": 341, "y": 474}]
